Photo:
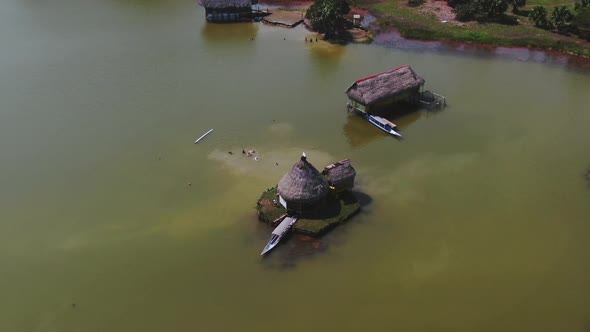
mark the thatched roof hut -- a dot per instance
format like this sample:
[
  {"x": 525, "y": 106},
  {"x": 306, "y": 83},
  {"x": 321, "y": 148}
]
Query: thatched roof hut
[
  {"x": 303, "y": 186},
  {"x": 388, "y": 86},
  {"x": 219, "y": 4},
  {"x": 340, "y": 175}
]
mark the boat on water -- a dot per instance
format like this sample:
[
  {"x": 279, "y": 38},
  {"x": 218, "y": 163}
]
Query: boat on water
[
  {"x": 278, "y": 233},
  {"x": 383, "y": 124}
]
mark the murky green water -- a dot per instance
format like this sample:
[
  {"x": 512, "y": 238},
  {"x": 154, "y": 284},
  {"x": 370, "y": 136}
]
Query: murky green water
[{"x": 477, "y": 221}]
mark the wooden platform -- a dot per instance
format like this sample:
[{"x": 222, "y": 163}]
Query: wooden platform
[{"x": 286, "y": 18}]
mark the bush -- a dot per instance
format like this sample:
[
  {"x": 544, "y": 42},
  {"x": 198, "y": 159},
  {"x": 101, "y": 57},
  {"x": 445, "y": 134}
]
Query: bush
[
  {"x": 582, "y": 21},
  {"x": 580, "y": 4},
  {"x": 561, "y": 18},
  {"x": 481, "y": 10},
  {"x": 516, "y": 4},
  {"x": 539, "y": 17}
]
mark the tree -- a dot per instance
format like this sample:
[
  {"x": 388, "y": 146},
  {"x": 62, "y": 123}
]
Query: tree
[
  {"x": 581, "y": 4},
  {"x": 480, "y": 10},
  {"x": 328, "y": 16},
  {"x": 539, "y": 17},
  {"x": 561, "y": 18},
  {"x": 582, "y": 21},
  {"x": 516, "y": 4}
]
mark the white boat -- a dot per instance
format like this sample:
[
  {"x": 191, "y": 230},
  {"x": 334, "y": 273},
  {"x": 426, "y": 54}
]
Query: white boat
[
  {"x": 278, "y": 233},
  {"x": 383, "y": 124}
]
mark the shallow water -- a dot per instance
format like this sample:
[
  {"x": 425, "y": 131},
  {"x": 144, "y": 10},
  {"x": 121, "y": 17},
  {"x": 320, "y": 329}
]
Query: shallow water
[{"x": 476, "y": 221}]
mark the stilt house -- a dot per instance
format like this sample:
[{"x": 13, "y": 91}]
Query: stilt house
[
  {"x": 380, "y": 90},
  {"x": 228, "y": 10}
]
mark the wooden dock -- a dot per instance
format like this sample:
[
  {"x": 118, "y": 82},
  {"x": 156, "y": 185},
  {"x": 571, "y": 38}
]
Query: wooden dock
[
  {"x": 430, "y": 100},
  {"x": 286, "y": 18}
]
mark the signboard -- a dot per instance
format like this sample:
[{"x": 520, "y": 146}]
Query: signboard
[{"x": 355, "y": 17}]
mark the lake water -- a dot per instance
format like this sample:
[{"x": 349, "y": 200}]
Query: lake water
[{"x": 477, "y": 221}]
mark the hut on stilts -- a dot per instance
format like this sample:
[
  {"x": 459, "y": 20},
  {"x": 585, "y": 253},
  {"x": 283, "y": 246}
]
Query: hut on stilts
[
  {"x": 378, "y": 91},
  {"x": 221, "y": 11},
  {"x": 303, "y": 188}
]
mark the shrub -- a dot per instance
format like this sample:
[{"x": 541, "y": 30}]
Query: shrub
[
  {"x": 580, "y": 4},
  {"x": 539, "y": 17},
  {"x": 582, "y": 21},
  {"x": 561, "y": 18},
  {"x": 481, "y": 10},
  {"x": 516, "y": 4}
]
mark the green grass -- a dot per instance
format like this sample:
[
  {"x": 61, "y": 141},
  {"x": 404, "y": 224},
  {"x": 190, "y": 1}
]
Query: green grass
[
  {"x": 336, "y": 209},
  {"x": 550, "y": 3},
  {"x": 416, "y": 25},
  {"x": 268, "y": 210}
]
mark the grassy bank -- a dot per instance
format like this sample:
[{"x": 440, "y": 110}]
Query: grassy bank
[
  {"x": 335, "y": 209},
  {"x": 413, "y": 23}
]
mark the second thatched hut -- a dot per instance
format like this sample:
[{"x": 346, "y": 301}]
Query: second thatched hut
[
  {"x": 340, "y": 175},
  {"x": 303, "y": 188},
  {"x": 379, "y": 90}
]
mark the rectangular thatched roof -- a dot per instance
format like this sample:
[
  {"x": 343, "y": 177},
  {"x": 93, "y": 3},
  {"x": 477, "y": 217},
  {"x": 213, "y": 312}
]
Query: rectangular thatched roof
[
  {"x": 226, "y": 3},
  {"x": 389, "y": 84}
]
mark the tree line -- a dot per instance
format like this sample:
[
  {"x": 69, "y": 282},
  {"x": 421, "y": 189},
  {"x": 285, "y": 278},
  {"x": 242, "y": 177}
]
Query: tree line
[
  {"x": 561, "y": 18},
  {"x": 329, "y": 16}
]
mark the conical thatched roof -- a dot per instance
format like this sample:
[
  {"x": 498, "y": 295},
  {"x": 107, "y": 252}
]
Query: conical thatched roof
[
  {"x": 340, "y": 173},
  {"x": 389, "y": 84},
  {"x": 226, "y": 3},
  {"x": 303, "y": 184}
]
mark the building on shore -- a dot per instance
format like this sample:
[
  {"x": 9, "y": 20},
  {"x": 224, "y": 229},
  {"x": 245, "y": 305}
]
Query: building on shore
[
  {"x": 381, "y": 90},
  {"x": 303, "y": 188},
  {"x": 220, "y": 11}
]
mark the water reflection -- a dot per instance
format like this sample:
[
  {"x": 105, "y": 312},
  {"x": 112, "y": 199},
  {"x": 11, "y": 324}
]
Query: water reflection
[
  {"x": 360, "y": 132},
  {"x": 225, "y": 33},
  {"x": 325, "y": 56},
  {"x": 395, "y": 40}
]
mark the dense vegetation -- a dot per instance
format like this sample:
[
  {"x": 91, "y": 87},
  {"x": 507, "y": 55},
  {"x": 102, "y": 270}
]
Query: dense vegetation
[
  {"x": 499, "y": 28},
  {"x": 479, "y": 10},
  {"x": 561, "y": 18},
  {"x": 328, "y": 16},
  {"x": 582, "y": 21},
  {"x": 540, "y": 24}
]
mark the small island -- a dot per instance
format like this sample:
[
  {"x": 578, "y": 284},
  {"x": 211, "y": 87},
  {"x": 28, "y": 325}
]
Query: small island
[{"x": 320, "y": 200}]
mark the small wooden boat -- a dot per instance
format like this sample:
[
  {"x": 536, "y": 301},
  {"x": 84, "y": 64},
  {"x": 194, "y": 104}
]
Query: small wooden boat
[
  {"x": 383, "y": 124},
  {"x": 278, "y": 233}
]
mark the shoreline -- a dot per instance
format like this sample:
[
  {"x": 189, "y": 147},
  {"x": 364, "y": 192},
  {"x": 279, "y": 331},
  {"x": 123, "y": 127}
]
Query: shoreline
[{"x": 415, "y": 32}]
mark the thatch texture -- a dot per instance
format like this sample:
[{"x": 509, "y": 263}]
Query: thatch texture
[
  {"x": 303, "y": 184},
  {"x": 226, "y": 3},
  {"x": 341, "y": 176},
  {"x": 389, "y": 84}
]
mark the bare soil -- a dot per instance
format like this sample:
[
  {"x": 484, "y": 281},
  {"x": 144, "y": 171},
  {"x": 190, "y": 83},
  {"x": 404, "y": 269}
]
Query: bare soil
[{"x": 440, "y": 9}]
